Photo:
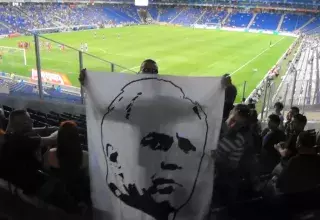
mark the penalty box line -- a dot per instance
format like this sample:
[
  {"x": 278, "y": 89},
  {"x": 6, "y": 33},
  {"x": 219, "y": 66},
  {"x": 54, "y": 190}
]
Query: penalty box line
[{"x": 258, "y": 55}]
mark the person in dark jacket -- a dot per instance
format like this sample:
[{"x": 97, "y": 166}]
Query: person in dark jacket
[
  {"x": 230, "y": 95},
  {"x": 302, "y": 171},
  {"x": 270, "y": 157},
  {"x": 293, "y": 112}
]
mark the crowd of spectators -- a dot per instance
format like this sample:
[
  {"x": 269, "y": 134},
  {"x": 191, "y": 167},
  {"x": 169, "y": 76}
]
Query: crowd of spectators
[
  {"x": 49, "y": 162},
  {"x": 23, "y": 18},
  {"x": 45, "y": 162},
  {"x": 50, "y": 16}
]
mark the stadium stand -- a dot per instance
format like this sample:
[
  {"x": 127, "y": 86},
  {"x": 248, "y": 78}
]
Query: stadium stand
[
  {"x": 250, "y": 205},
  {"x": 305, "y": 68},
  {"x": 266, "y": 21},
  {"x": 212, "y": 16},
  {"x": 40, "y": 16},
  {"x": 4, "y": 30},
  {"x": 153, "y": 10},
  {"x": 252, "y": 198},
  {"x": 312, "y": 28},
  {"x": 188, "y": 16},
  {"x": 18, "y": 86},
  {"x": 293, "y": 22},
  {"x": 168, "y": 13},
  {"x": 239, "y": 20}
]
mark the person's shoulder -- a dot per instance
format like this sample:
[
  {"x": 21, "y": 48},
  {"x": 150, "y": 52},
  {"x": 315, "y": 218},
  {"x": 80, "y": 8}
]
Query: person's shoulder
[
  {"x": 27, "y": 141},
  {"x": 280, "y": 133},
  {"x": 295, "y": 161}
]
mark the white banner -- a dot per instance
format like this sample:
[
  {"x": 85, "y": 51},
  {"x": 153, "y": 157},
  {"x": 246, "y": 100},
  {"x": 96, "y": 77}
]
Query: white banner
[{"x": 150, "y": 139}]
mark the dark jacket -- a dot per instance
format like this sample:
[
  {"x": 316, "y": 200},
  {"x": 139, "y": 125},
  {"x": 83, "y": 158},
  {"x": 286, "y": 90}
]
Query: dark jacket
[{"x": 300, "y": 174}]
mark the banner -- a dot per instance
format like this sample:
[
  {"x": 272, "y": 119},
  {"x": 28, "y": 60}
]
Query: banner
[
  {"x": 150, "y": 139},
  {"x": 14, "y": 35},
  {"x": 51, "y": 77}
]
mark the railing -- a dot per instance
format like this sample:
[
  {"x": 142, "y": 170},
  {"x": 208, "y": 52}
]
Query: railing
[{"x": 52, "y": 69}]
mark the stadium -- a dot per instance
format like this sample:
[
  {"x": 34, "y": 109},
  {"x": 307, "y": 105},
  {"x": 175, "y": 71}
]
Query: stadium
[{"x": 269, "y": 48}]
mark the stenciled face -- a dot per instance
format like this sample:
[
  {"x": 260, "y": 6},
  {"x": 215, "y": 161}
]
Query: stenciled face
[{"x": 153, "y": 149}]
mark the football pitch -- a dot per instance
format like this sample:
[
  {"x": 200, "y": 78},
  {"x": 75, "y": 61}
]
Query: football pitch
[{"x": 177, "y": 50}]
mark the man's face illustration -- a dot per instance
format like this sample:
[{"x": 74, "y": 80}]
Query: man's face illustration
[{"x": 153, "y": 150}]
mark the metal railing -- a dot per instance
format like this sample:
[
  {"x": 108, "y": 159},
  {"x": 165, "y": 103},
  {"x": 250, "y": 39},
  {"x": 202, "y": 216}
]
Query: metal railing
[{"x": 52, "y": 69}]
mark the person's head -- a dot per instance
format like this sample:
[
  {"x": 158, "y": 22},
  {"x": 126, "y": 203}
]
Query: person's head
[
  {"x": 298, "y": 123},
  {"x": 69, "y": 152},
  {"x": 273, "y": 122},
  {"x": 278, "y": 107},
  {"x": 253, "y": 115},
  {"x": 227, "y": 79},
  {"x": 306, "y": 139},
  {"x": 163, "y": 137},
  {"x": 239, "y": 114},
  {"x": 293, "y": 111},
  {"x": 149, "y": 67},
  {"x": 20, "y": 122}
]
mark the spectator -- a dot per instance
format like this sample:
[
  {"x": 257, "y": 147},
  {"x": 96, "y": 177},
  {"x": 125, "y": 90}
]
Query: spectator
[
  {"x": 302, "y": 172},
  {"x": 20, "y": 157},
  {"x": 255, "y": 129},
  {"x": 149, "y": 67},
  {"x": 251, "y": 104},
  {"x": 288, "y": 148},
  {"x": 293, "y": 111},
  {"x": 69, "y": 163},
  {"x": 230, "y": 95},
  {"x": 3, "y": 122},
  {"x": 297, "y": 126},
  {"x": 278, "y": 106},
  {"x": 229, "y": 154},
  {"x": 67, "y": 158},
  {"x": 230, "y": 149},
  {"x": 248, "y": 165},
  {"x": 270, "y": 157}
]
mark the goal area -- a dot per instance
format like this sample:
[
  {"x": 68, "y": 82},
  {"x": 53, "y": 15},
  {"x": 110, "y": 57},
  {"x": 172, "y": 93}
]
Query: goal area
[{"x": 13, "y": 55}]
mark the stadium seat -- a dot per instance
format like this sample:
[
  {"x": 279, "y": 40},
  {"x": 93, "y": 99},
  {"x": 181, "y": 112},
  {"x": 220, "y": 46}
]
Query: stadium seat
[{"x": 239, "y": 20}]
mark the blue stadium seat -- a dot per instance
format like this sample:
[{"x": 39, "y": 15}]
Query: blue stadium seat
[
  {"x": 313, "y": 27},
  {"x": 154, "y": 12},
  {"x": 167, "y": 14},
  {"x": 212, "y": 16},
  {"x": 293, "y": 22},
  {"x": 266, "y": 21},
  {"x": 188, "y": 16},
  {"x": 239, "y": 19}
]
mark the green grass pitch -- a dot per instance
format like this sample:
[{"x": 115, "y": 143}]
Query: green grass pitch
[{"x": 177, "y": 50}]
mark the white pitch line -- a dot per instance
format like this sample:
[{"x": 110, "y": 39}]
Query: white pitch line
[{"x": 244, "y": 65}]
